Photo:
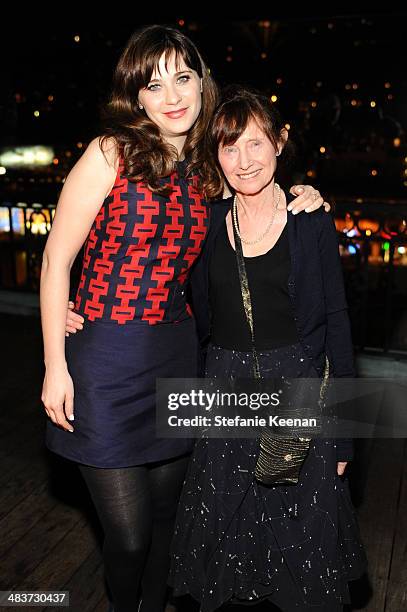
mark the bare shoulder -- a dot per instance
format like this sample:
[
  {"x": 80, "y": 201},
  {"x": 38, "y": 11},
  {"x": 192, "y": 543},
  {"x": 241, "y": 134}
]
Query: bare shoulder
[
  {"x": 103, "y": 149},
  {"x": 97, "y": 166}
]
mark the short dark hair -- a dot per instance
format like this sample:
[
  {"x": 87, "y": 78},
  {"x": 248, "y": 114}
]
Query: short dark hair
[{"x": 238, "y": 106}]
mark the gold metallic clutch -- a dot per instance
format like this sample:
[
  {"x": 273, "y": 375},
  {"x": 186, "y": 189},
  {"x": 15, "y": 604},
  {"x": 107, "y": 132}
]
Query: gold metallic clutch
[{"x": 280, "y": 459}]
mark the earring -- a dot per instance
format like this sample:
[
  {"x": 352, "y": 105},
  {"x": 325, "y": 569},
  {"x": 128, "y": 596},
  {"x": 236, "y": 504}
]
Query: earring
[{"x": 140, "y": 106}]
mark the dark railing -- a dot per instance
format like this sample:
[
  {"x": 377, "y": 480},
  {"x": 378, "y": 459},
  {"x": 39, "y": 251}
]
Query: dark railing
[
  {"x": 373, "y": 239},
  {"x": 372, "y": 235}
]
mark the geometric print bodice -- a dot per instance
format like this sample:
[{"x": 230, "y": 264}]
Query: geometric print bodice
[{"x": 140, "y": 250}]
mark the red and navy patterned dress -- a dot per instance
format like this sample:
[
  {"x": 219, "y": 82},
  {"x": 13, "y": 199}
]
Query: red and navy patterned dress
[
  {"x": 138, "y": 325},
  {"x": 139, "y": 252}
]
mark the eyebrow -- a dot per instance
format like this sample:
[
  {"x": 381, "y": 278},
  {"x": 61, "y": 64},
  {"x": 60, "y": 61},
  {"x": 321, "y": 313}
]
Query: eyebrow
[
  {"x": 176, "y": 74},
  {"x": 233, "y": 144}
]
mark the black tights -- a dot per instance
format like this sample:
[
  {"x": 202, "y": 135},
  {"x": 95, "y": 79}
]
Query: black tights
[{"x": 136, "y": 507}]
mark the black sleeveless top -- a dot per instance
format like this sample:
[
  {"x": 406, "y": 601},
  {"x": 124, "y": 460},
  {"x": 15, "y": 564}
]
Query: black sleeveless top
[{"x": 273, "y": 317}]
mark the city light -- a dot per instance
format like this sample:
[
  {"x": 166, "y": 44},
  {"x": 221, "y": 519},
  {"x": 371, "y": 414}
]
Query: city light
[{"x": 20, "y": 157}]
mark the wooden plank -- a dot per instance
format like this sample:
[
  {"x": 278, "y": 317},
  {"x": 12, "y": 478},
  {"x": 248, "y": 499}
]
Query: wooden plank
[
  {"x": 87, "y": 586},
  {"x": 63, "y": 560},
  {"x": 21, "y": 482},
  {"x": 102, "y": 605},
  {"x": 24, "y": 516},
  {"x": 377, "y": 515},
  {"x": 19, "y": 562},
  {"x": 397, "y": 586}
]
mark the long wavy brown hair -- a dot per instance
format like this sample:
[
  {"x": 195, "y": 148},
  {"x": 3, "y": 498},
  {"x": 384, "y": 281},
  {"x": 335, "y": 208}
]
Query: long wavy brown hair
[
  {"x": 147, "y": 156},
  {"x": 238, "y": 105}
]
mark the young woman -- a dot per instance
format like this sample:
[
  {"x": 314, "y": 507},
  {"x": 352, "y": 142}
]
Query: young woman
[
  {"x": 134, "y": 198},
  {"x": 237, "y": 540}
]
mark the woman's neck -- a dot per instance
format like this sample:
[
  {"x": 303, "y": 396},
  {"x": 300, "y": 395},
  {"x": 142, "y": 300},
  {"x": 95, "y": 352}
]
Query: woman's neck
[
  {"x": 251, "y": 206},
  {"x": 178, "y": 142}
]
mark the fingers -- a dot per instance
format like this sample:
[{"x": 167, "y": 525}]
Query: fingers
[
  {"x": 55, "y": 410},
  {"x": 57, "y": 416},
  {"x": 318, "y": 202},
  {"x": 303, "y": 201},
  {"x": 74, "y": 321},
  {"x": 69, "y": 407},
  {"x": 299, "y": 191},
  {"x": 309, "y": 199},
  {"x": 57, "y": 393},
  {"x": 340, "y": 468}
]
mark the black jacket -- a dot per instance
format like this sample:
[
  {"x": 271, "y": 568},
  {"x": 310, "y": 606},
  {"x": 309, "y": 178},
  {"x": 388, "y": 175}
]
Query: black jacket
[{"x": 316, "y": 290}]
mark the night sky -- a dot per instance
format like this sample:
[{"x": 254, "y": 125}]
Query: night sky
[{"x": 339, "y": 77}]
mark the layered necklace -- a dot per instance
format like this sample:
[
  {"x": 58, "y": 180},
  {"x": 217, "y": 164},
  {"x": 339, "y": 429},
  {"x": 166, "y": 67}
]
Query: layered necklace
[{"x": 266, "y": 231}]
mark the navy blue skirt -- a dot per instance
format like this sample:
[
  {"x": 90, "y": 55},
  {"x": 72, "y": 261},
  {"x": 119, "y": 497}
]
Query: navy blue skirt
[{"x": 114, "y": 370}]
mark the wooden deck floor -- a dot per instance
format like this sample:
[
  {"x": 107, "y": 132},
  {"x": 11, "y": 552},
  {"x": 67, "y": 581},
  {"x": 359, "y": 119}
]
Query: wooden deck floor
[{"x": 50, "y": 539}]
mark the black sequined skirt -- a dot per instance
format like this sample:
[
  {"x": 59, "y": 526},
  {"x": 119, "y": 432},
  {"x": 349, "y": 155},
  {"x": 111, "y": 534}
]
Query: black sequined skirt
[{"x": 239, "y": 541}]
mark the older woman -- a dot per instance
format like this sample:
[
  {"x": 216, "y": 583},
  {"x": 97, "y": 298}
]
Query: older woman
[{"x": 237, "y": 540}]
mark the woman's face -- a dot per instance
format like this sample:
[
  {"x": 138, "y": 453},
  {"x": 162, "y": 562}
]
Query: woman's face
[
  {"x": 172, "y": 98},
  {"x": 249, "y": 164}
]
